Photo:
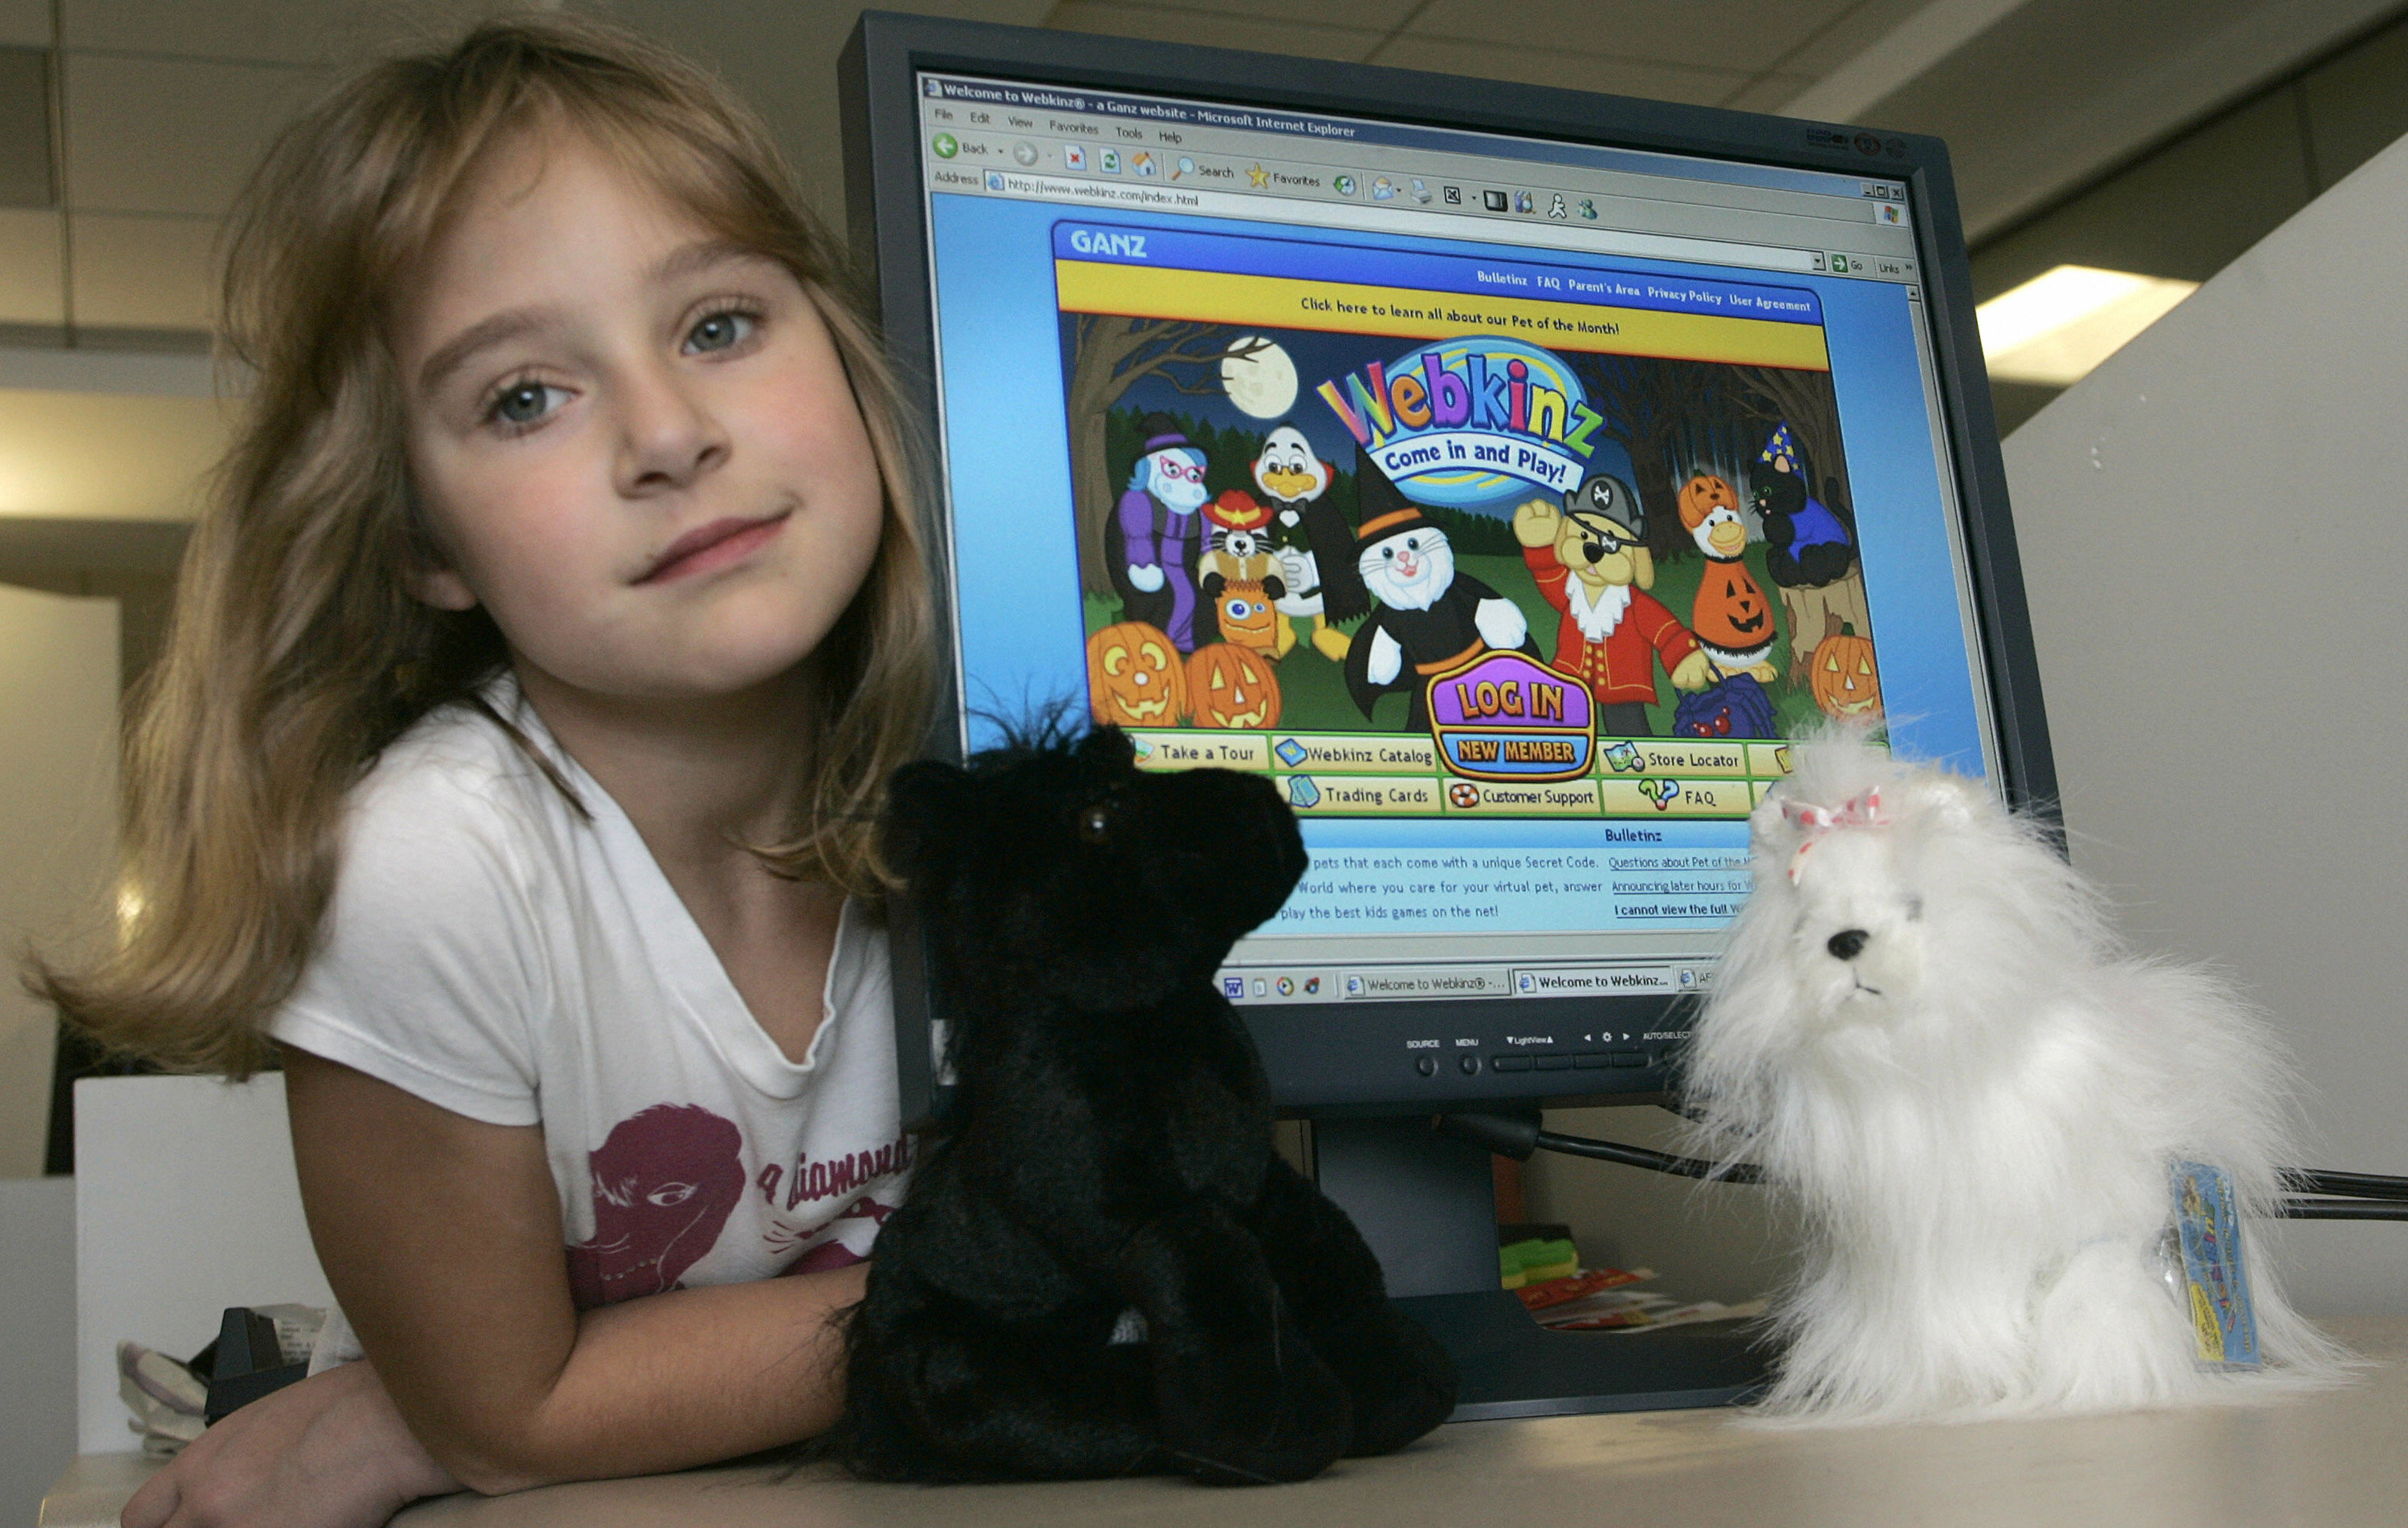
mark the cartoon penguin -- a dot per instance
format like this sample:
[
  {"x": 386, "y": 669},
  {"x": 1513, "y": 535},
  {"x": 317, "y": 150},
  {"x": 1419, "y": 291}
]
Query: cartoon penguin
[
  {"x": 1315, "y": 546},
  {"x": 1154, "y": 539},
  {"x": 1429, "y": 618},
  {"x": 1731, "y": 617}
]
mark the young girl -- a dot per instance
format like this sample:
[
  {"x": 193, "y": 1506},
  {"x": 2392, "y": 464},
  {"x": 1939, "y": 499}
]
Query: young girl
[{"x": 511, "y": 771}]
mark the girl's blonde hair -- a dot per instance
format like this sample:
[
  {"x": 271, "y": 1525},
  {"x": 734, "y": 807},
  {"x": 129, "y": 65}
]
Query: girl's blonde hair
[{"x": 295, "y": 654}]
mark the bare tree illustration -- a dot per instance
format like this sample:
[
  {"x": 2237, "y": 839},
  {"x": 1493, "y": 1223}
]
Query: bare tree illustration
[
  {"x": 1112, "y": 355},
  {"x": 1805, "y": 400}
]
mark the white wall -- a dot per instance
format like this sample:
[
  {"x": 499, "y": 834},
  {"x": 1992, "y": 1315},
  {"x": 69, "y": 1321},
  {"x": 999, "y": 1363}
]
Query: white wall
[
  {"x": 37, "y": 1334},
  {"x": 57, "y": 787},
  {"x": 187, "y": 1203},
  {"x": 2213, "y": 527}
]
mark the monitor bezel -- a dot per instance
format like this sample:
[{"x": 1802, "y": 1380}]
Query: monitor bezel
[{"x": 887, "y": 224}]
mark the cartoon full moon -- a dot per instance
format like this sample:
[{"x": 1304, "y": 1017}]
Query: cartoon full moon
[{"x": 1259, "y": 377}]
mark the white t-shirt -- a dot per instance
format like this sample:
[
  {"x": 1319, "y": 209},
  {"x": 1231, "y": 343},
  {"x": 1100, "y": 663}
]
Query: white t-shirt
[{"x": 496, "y": 953}]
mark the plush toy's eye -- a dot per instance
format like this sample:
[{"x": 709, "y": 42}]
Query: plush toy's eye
[{"x": 1096, "y": 824}]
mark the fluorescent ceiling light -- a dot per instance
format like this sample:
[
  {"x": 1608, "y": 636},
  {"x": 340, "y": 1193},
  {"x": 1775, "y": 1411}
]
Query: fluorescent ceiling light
[{"x": 2056, "y": 327}]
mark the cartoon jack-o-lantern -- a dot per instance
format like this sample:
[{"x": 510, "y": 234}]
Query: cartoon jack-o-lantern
[
  {"x": 1732, "y": 612},
  {"x": 1700, "y": 497},
  {"x": 1246, "y": 615},
  {"x": 1134, "y": 677},
  {"x": 1845, "y": 681},
  {"x": 1230, "y": 686}
]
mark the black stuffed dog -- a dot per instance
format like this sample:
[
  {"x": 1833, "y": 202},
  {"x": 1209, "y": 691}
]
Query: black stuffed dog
[{"x": 1103, "y": 1268}]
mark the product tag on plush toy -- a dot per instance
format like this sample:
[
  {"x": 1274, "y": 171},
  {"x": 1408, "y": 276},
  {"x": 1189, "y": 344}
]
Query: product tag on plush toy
[{"x": 2214, "y": 1278}]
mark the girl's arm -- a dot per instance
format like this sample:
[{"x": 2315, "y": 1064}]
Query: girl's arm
[{"x": 441, "y": 1238}]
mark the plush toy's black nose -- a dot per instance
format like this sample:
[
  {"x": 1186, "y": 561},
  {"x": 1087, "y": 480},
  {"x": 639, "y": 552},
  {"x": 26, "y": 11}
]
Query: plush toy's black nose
[
  {"x": 1593, "y": 552},
  {"x": 1847, "y": 944}
]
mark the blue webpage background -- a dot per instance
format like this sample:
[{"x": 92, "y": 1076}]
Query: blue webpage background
[{"x": 1020, "y": 616}]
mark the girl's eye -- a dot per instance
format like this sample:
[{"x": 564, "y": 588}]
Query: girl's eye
[
  {"x": 719, "y": 331},
  {"x": 523, "y": 402}
]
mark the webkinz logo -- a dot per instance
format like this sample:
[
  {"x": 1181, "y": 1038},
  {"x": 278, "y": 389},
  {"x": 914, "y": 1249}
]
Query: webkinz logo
[{"x": 1469, "y": 423}]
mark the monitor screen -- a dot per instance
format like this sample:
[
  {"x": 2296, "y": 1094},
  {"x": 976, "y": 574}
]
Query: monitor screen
[{"x": 1507, "y": 500}]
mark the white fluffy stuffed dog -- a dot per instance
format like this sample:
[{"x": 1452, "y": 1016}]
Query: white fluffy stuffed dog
[{"x": 1924, "y": 1032}]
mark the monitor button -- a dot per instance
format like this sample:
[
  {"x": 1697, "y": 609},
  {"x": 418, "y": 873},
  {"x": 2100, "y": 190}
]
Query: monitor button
[
  {"x": 1470, "y": 1065},
  {"x": 1426, "y": 1066},
  {"x": 1509, "y": 1064},
  {"x": 1631, "y": 1058},
  {"x": 1550, "y": 1064},
  {"x": 1593, "y": 1059}
]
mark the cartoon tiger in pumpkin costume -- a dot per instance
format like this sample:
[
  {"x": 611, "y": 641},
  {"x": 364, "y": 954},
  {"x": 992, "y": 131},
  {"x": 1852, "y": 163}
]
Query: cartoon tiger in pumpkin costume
[{"x": 1730, "y": 616}]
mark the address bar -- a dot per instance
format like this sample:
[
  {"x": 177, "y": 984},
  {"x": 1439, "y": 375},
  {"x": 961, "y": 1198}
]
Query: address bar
[{"x": 1117, "y": 193}]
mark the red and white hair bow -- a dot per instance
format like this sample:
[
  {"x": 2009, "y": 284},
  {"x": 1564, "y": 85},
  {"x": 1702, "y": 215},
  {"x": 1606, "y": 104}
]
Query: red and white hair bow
[{"x": 1859, "y": 811}]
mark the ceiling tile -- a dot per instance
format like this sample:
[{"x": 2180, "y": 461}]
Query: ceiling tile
[
  {"x": 1370, "y": 15},
  {"x": 1847, "y": 35},
  {"x": 1742, "y": 36},
  {"x": 142, "y": 272},
  {"x": 171, "y": 135},
  {"x": 94, "y": 456},
  {"x": 31, "y": 290},
  {"x": 25, "y": 172},
  {"x": 1768, "y": 93},
  {"x": 1215, "y": 30},
  {"x": 262, "y": 31},
  {"x": 1563, "y": 69},
  {"x": 24, "y": 23}
]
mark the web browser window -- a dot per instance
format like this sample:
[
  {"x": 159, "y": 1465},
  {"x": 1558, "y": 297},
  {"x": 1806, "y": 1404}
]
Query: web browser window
[{"x": 1509, "y": 504}]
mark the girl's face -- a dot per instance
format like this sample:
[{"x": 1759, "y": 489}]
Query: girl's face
[{"x": 635, "y": 444}]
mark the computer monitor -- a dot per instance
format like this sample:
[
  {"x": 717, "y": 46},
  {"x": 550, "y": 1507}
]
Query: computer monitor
[{"x": 1504, "y": 473}]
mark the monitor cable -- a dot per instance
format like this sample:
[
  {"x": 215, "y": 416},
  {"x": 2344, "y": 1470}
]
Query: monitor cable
[{"x": 2316, "y": 1195}]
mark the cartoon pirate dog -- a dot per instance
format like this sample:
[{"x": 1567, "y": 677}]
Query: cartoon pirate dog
[
  {"x": 1590, "y": 562},
  {"x": 1315, "y": 546},
  {"x": 1154, "y": 539},
  {"x": 1430, "y": 618}
]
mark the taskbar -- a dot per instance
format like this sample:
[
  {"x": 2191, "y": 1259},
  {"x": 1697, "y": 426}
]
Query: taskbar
[{"x": 1341, "y": 982}]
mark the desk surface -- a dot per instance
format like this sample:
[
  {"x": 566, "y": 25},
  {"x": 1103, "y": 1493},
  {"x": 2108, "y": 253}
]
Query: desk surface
[{"x": 2339, "y": 1458}]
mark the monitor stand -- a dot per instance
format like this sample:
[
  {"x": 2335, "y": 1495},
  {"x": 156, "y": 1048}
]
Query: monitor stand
[{"x": 1428, "y": 1205}]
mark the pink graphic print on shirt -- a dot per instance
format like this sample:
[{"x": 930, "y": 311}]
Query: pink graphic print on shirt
[
  {"x": 833, "y": 1252},
  {"x": 664, "y": 1181}
]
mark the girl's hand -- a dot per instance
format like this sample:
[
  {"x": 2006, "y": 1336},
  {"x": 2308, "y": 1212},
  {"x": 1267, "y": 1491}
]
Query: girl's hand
[{"x": 330, "y": 1452}]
